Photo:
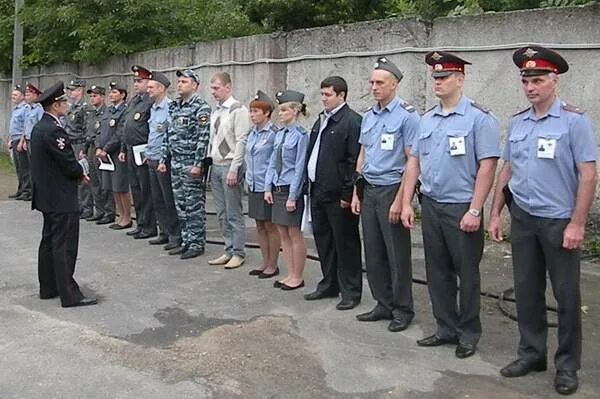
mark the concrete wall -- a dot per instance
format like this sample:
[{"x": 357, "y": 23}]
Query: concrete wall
[{"x": 300, "y": 59}]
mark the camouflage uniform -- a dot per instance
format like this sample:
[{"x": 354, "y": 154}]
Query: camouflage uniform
[
  {"x": 186, "y": 145},
  {"x": 75, "y": 126}
]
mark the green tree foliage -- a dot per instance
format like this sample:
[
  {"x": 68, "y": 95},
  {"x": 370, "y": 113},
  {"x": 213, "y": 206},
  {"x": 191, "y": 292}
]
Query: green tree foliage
[{"x": 88, "y": 31}]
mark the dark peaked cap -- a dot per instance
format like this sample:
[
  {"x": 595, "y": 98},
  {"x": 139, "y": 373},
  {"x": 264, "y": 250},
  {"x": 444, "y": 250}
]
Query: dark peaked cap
[
  {"x": 96, "y": 90},
  {"x": 53, "y": 94},
  {"x": 538, "y": 60},
  {"x": 386, "y": 65},
  {"x": 287, "y": 96},
  {"x": 264, "y": 97},
  {"x": 444, "y": 63},
  {"x": 160, "y": 78}
]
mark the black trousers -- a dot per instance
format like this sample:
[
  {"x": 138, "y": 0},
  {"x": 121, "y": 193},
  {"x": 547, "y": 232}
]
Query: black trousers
[
  {"x": 57, "y": 255},
  {"x": 387, "y": 252},
  {"x": 338, "y": 244},
  {"x": 103, "y": 199},
  {"x": 537, "y": 249},
  {"x": 164, "y": 203},
  {"x": 452, "y": 254},
  {"x": 139, "y": 180},
  {"x": 21, "y": 160}
]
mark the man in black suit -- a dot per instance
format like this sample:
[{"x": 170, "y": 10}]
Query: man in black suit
[
  {"x": 55, "y": 173},
  {"x": 331, "y": 161}
]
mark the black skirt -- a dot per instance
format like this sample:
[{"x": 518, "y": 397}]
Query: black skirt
[
  {"x": 258, "y": 209},
  {"x": 281, "y": 216}
]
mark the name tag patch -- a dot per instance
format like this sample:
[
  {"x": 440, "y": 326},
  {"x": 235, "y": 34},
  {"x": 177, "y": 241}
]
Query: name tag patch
[
  {"x": 387, "y": 142},
  {"x": 457, "y": 146},
  {"x": 546, "y": 148}
]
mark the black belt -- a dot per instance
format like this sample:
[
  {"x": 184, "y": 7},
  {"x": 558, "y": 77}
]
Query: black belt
[
  {"x": 79, "y": 141},
  {"x": 281, "y": 189}
]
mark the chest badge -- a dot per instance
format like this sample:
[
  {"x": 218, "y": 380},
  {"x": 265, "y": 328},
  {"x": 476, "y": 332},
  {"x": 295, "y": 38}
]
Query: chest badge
[
  {"x": 137, "y": 116},
  {"x": 97, "y": 125},
  {"x": 72, "y": 117},
  {"x": 112, "y": 123},
  {"x": 61, "y": 143}
]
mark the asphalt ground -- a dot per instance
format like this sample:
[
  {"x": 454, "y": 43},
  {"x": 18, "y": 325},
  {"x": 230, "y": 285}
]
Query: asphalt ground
[{"x": 167, "y": 328}]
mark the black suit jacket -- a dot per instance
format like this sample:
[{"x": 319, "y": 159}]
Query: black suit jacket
[
  {"x": 336, "y": 161},
  {"x": 54, "y": 170}
]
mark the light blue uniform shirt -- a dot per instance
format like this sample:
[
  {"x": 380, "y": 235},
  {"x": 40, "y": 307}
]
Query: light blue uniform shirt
[
  {"x": 17, "y": 121},
  {"x": 158, "y": 123},
  {"x": 295, "y": 143},
  {"x": 541, "y": 185},
  {"x": 33, "y": 116},
  {"x": 385, "y": 134},
  {"x": 449, "y": 168},
  {"x": 259, "y": 149}
]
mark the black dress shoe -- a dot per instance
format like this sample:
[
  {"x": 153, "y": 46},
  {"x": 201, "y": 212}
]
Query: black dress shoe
[
  {"x": 177, "y": 250},
  {"x": 374, "y": 315},
  {"x": 566, "y": 382},
  {"x": 143, "y": 235},
  {"x": 105, "y": 220},
  {"x": 399, "y": 323},
  {"x": 94, "y": 218},
  {"x": 434, "y": 340},
  {"x": 26, "y": 198},
  {"x": 464, "y": 350},
  {"x": 286, "y": 287},
  {"x": 277, "y": 284},
  {"x": 83, "y": 302},
  {"x": 319, "y": 295},
  {"x": 192, "y": 253},
  {"x": 13, "y": 196},
  {"x": 48, "y": 296},
  {"x": 122, "y": 227},
  {"x": 160, "y": 240},
  {"x": 255, "y": 272},
  {"x": 113, "y": 226},
  {"x": 521, "y": 367},
  {"x": 133, "y": 232},
  {"x": 171, "y": 245},
  {"x": 86, "y": 215},
  {"x": 264, "y": 275},
  {"x": 347, "y": 303}
]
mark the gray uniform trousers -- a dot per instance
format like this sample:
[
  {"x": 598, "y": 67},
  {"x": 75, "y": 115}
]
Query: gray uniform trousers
[
  {"x": 103, "y": 199},
  {"x": 164, "y": 203},
  {"x": 139, "y": 181},
  {"x": 450, "y": 253},
  {"x": 228, "y": 204},
  {"x": 536, "y": 248},
  {"x": 387, "y": 252},
  {"x": 84, "y": 191},
  {"x": 21, "y": 161}
]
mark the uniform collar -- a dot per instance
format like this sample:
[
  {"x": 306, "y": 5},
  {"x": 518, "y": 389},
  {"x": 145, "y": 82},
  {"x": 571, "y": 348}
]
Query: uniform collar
[
  {"x": 554, "y": 110},
  {"x": 333, "y": 111},
  {"x": 268, "y": 126},
  {"x": 291, "y": 126},
  {"x": 460, "y": 108},
  {"x": 21, "y": 104},
  {"x": 390, "y": 107},
  {"x": 162, "y": 104}
]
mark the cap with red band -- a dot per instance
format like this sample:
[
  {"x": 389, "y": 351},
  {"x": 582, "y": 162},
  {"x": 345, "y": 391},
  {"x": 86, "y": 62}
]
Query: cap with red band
[
  {"x": 139, "y": 72},
  {"x": 32, "y": 88},
  {"x": 538, "y": 60},
  {"x": 444, "y": 63}
]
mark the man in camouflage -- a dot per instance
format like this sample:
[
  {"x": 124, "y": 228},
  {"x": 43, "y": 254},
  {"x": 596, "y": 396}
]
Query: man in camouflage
[
  {"x": 75, "y": 127},
  {"x": 186, "y": 145},
  {"x": 103, "y": 201}
]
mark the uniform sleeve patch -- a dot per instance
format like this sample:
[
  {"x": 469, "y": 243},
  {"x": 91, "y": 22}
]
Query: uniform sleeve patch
[
  {"x": 203, "y": 119},
  {"x": 60, "y": 143}
]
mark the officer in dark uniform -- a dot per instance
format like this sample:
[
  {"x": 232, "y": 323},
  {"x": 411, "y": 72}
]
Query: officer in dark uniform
[
  {"x": 75, "y": 127},
  {"x": 136, "y": 133},
  {"x": 548, "y": 181},
  {"x": 103, "y": 201},
  {"x": 55, "y": 173}
]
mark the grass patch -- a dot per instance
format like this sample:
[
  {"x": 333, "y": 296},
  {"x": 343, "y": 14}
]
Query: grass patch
[{"x": 6, "y": 166}]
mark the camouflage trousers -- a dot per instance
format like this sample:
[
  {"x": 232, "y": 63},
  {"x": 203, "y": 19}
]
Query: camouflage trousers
[{"x": 190, "y": 198}]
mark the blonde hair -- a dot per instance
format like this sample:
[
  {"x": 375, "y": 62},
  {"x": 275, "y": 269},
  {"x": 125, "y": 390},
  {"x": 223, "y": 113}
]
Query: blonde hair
[{"x": 299, "y": 107}]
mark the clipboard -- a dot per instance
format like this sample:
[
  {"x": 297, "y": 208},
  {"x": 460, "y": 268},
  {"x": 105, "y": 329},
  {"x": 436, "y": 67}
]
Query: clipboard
[
  {"x": 107, "y": 164},
  {"x": 85, "y": 165},
  {"x": 139, "y": 156}
]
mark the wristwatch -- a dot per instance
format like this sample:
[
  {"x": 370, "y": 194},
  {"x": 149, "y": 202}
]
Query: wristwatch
[{"x": 474, "y": 212}]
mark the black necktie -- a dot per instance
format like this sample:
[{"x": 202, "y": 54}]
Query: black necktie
[{"x": 279, "y": 157}]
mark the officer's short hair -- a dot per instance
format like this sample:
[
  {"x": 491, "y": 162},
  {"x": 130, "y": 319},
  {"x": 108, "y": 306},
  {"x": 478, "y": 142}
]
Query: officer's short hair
[
  {"x": 265, "y": 107},
  {"x": 223, "y": 77},
  {"x": 337, "y": 83}
]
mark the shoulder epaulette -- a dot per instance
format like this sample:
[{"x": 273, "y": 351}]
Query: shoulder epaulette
[
  {"x": 571, "y": 108},
  {"x": 429, "y": 110},
  {"x": 274, "y": 128},
  {"x": 480, "y": 107},
  {"x": 522, "y": 111},
  {"x": 235, "y": 106},
  {"x": 407, "y": 106}
]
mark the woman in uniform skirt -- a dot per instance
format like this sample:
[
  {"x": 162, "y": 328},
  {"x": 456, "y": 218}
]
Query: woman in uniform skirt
[
  {"x": 285, "y": 180},
  {"x": 259, "y": 149}
]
